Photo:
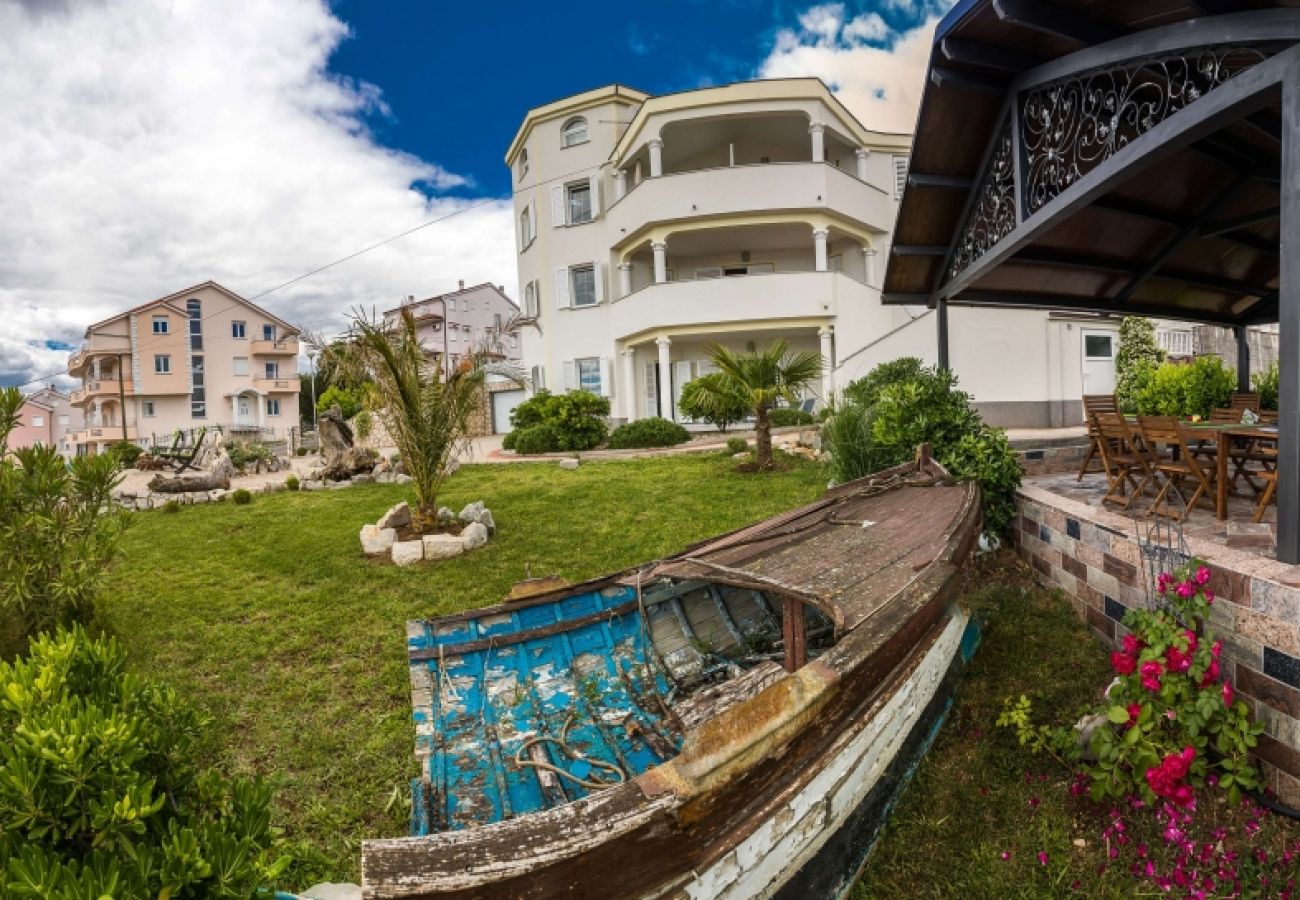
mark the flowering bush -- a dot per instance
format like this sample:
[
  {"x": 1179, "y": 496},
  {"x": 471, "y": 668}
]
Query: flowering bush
[{"x": 1171, "y": 725}]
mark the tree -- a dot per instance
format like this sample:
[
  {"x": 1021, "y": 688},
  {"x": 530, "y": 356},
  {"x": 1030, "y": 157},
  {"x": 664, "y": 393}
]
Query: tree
[
  {"x": 1136, "y": 360},
  {"x": 425, "y": 409},
  {"x": 58, "y": 529},
  {"x": 763, "y": 377},
  {"x": 350, "y": 401},
  {"x": 714, "y": 398}
]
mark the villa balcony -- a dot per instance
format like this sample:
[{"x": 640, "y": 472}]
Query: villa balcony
[
  {"x": 103, "y": 388},
  {"x": 281, "y": 385},
  {"x": 99, "y": 433},
  {"x": 283, "y": 347},
  {"x": 752, "y": 189},
  {"x": 737, "y": 299}
]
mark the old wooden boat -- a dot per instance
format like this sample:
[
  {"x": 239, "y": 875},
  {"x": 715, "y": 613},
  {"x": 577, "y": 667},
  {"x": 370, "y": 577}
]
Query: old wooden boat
[{"x": 731, "y": 722}]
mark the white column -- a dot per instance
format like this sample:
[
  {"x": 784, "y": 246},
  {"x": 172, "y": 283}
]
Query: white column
[
  {"x": 624, "y": 279},
  {"x": 620, "y": 184},
  {"x": 656, "y": 157},
  {"x": 828, "y": 353},
  {"x": 817, "y": 129},
  {"x": 862, "y": 153},
  {"x": 629, "y": 383},
  {"x": 819, "y": 248},
  {"x": 234, "y": 409},
  {"x": 261, "y": 410},
  {"x": 869, "y": 262},
  {"x": 660, "y": 249},
  {"x": 96, "y": 418},
  {"x": 665, "y": 378}
]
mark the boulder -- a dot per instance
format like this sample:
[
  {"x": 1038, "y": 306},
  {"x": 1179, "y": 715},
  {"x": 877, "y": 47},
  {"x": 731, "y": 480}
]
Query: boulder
[
  {"x": 311, "y": 484},
  {"x": 442, "y": 546},
  {"x": 384, "y": 478},
  {"x": 487, "y": 521},
  {"x": 568, "y": 464},
  {"x": 474, "y": 536},
  {"x": 471, "y": 511},
  {"x": 402, "y": 478},
  {"x": 376, "y": 540},
  {"x": 445, "y": 516},
  {"x": 363, "y": 479},
  {"x": 217, "y": 494},
  {"x": 398, "y": 516},
  {"x": 406, "y": 553},
  {"x": 332, "y": 891},
  {"x": 199, "y": 497},
  {"x": 811, "y": 437}
]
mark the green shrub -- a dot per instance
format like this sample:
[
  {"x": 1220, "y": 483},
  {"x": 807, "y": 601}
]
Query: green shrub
[
  {"x": 784, "y": 416},
  {"x": 1266, "y": 383},
  {"x": 242, "y": 497},
  {"x": 715, "y": 398},
  {"x": 363, "y": 424},
  {"x": 508, "y": 442},
  {"x": 866, "y": 390},
  {"x": 847, "y": 437},
  {"x": 1136, "y": 360},
  {"x": 1195, "y": 388},
  {"x": 652, "y": 432},
  {"x": 292, "y": 483},
  {"x": 350, "y": 401},
  {"x": 244, "y": 452},
  {"x": 986, "y": 456},
  {"x": 737, "y": 445},
  {"x": 171, "y": 506},
  {"x": 301, "y": 451},
  {"x": 99, "y": 793},
  {"x": 578, "y": 418},
  {"x": 126, "y": 453},
  {"x": 536, "y": 439},
  {"x": 533, "y": 411}
]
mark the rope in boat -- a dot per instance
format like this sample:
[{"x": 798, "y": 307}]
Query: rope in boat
[{"x": 563, "y": 743}]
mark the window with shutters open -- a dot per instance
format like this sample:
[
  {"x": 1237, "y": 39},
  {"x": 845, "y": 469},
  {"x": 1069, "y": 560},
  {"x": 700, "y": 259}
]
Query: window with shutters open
[{"x": 900, "y": 175}]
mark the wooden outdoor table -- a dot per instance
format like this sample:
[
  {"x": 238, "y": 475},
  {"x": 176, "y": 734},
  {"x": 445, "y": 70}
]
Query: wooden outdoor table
[{"x": 1223, "y": 436}]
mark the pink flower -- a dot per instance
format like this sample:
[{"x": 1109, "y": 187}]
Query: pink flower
[
  {"x": 1209, "y": 596},
  {"x": 1132, "y": 645},
  {"x": 1227, "y": 694},
  {"x": 1122, "y": 663},
  {"x": 1202, "y": 575},
  {"x": 1216, "y": 648},
  {"x": 1163, "y": 581},
  {"x": 1006, "y": 855},
  {"x": 1185, "y": 589},
  {"x": 1134, "y": 710},
  {"x": 1191, "y": 640},
  {"x": 1042, "y": 857},
  {"x": 1211, "y": 674},
  {"x": 1151, "y": 672},
  {"x": 1033, "y": 802},
  {"x": 1177, "y": 660}
]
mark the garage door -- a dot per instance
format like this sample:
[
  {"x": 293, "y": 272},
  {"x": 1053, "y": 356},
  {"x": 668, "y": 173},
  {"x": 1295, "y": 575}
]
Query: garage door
[{"x": 503, "y": 403}]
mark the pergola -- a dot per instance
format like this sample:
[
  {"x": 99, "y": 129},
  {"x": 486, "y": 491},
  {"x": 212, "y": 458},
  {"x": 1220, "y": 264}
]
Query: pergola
[{"x": 1128, "y": 158}]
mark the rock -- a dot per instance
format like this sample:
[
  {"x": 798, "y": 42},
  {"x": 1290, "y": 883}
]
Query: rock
[
  {"x": 568, "y": 464},
  {"x": 272, "y": 487},
  {"x": 811, "y": 437},
  {"x": 398, "y": 516},
  {"x": 334, "y": 434},
  {"x": 384, "y": 478},
  {"x": 445, "y": 515},
  {"x": 330, "y": 891},
  {"x": 744, "y": 454},
  {"x": 363, "y": 479},
  {"x": 336, "y": 485},
  {"x": 474, "y": 536},
  {"x": 402, "y": 478},
  {"x": 376, "y": 540},
  {"x": 406, "y": 553},
  {"x": 217, "y": 494},
  {"x": 471, "y": 511},
  {"x": 352, "y": 461},
  {"x": 442, "y": 546},
  {"x": 200, "y": 497},
  {"x": 487, "y": 521},
  {"x": 216, "y": 477},
  {"x": 312, "y": 484}
]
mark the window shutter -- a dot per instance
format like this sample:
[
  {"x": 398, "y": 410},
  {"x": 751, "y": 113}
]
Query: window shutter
[
  {"x": 519, "y": 231},
  {"x": 598, "y": 276},
  {"x": 532, "y": 220},
  {"x": 594, "y": 181},
  {"x": 651, "y": 390},
  {"x": 562, "y": 288},
  {"x": 539, "y": 378},
  {"x": 900, "y": 175},
  {"x": 570, "y": 375},
  {"x": 558, "y": 219},
  {"x": 606, "y": 385}
]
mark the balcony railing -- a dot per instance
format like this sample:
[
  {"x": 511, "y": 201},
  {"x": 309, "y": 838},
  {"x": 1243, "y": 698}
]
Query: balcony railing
[
  {"x": 281, "y": 347},
  {"x": 104, "y": 387},
  {"x": 277, "y": 385},
  {"x": 97, "y": 433}
]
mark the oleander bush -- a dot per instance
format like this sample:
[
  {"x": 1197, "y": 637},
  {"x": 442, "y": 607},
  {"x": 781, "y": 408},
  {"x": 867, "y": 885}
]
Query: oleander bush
[
  {"x": 99, "y": 792},
  {"x": 652, "y": 432}
]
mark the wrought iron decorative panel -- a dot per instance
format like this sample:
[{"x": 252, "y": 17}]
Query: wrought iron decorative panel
[
  {"x": 993, "y": 214},
  {"x": 1071, "y": 126}
]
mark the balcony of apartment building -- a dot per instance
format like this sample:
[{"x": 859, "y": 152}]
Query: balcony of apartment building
[
  {"x": 106, "y": 422},
  {"x": 102, "y": 376},
  {"x": 744, "y": 163},
  {"x": 268, "y": 345}
]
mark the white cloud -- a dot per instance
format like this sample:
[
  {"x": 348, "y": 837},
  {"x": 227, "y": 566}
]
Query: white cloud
[
  {"x": 152, "y": 145},
  {"x": 878, "y": 71}
]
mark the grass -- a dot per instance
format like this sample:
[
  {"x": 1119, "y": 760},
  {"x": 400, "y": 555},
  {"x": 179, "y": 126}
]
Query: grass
[
  {"x": 269, "y": 617},
  {"x": 978, "y": 795}
]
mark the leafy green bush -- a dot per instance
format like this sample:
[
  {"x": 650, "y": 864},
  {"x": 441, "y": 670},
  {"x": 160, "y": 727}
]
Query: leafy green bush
[
  {"x": 1136, "y": 360},
  {"x": 244, "y": 452},
  {"x": 56, "y": 541},
  {"x": 866, "y": 390},
  {"x": 533, "y": 411},
  {"x": 363, "y": 424},
  {"x": 536, "y": 439},
  {"x": 126, "y": 452},
  {"x": 292, "y": 483},
  {"x": 652, "y": 432},
  {"x": 715, "y": 398},
  {"x": 508, "y": 441},
  {"x": 847, "y": 438},
  {"x": 737, "y": 445},
  {"x": 985, "y": 455},
  {"x": 99, "y": 794},
  {"x": 576, "y": 419},
  {"x": 784, "y": 416},
  {"x": 1266, "y": 383},
  {"x": 242, "y": 497},
  {"x": 1194, "y": 388},
  {"x": 301, "y": 451},
  {"x": 171, "y": 506},
  {"x": 350, "y": 401}
]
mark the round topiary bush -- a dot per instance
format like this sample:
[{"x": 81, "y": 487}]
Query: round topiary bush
[
  {"x": 242, "y": 497},
  {"x": 291, "y": 483},
  {"x": 785, "y": 416},
  {"x": 536, "y": 439},
  {"x": 737, "y": 445},
  {"x": 508, "y": 442},
  {"x": 653, "y": 432},
  {"x": 301, "y": 451},
  {"x": 171, "y": 506},
  {"x": 126, "y": 452}
]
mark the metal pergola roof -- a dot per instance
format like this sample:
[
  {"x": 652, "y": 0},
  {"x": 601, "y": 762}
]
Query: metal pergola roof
[{"x": 1127, "y": 157}]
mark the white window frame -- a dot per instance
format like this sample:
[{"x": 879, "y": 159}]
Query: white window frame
[
  {"x": 575, "y": 132},
  {"x": 532, "y": 299},
  {"x": 570, "y": 189},
  {"x": 238, "y": 330},
  {"x": 38, "y": 421},
  {"x": 64, "y": 421},
  {"x": 901, "y": 163},
  {"x": 590, "y": 365},
  {"x": 161, "y": 325},
  {"x": 268, "y": 332},
  {"x": 239, "y": 365},
  {"x": 574, "y": 271},
  {"x": 272, "y": 371},
  {"x": 162, "y": 364},
  {"x": 272, "y": 407},
  {"x": 527, "y": 230},
  {"x": 147, "y": 409}
]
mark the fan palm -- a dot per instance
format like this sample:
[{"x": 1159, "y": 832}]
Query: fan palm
[{"x": 764, "y": 377}]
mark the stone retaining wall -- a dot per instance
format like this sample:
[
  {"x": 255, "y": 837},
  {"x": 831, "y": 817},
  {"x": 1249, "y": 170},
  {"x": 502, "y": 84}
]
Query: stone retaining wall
[{"x": 1092, "y": 556}]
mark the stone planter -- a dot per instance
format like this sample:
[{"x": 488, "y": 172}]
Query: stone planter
[{"x": 380, "y": 538}]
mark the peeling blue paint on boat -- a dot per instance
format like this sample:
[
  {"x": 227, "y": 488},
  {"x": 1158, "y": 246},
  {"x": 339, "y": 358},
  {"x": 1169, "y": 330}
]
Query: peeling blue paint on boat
[
  {"x": 588, "y": 689},
  {"x": 970, "y": 639}
]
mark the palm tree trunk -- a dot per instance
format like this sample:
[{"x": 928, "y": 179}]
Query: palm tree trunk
[{"x": 762, "y": 438}]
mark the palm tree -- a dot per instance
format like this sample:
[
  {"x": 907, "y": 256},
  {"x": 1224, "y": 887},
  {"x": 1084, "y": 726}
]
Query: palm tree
[
  {"x": 764, "y": 377},
  {"x": 425, "y": 409}
]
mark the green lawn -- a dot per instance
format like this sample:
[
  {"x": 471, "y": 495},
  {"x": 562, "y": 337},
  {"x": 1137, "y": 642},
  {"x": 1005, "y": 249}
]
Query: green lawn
[{"x": 269, "y": 617}]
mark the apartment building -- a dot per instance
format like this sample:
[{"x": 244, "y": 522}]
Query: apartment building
[
  {"x": 466, "y": 319},
  {"x": 47, "y": 418},
  {"x": 649, "y": 226},
  {"x": 201, "y": 357}
]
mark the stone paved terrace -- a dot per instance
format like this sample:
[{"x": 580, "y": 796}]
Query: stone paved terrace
[{"x": 1090, "y": 552}]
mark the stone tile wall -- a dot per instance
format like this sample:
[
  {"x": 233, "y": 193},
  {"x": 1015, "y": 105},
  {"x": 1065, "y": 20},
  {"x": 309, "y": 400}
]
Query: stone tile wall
[{"x": 1092, "y": 556}]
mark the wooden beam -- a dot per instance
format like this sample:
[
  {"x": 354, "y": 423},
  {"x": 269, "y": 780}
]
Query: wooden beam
[
  {"x": 794, "y": 632},
  {"x": 1047, "y": 19},
  {"x": 902, "y": 299},
  {"x": 1239, "y": 222},
  {"x": 1100, "y": 305},
  {"x": 945, "y": 182},
  {"x": 968, "y": 81},
  {"x": 918, "y": 250},
  {"x": 987, "y": 56}
]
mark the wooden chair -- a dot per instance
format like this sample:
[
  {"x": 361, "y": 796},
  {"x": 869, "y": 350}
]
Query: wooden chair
[
  {"x": 1245, "y": 400},
  {"x": 1095, "y": 403},
  {"x": 1125, "y": 464},
  {"x": 1266, "y": 496},
  {"x": 1179, "y": 466}
]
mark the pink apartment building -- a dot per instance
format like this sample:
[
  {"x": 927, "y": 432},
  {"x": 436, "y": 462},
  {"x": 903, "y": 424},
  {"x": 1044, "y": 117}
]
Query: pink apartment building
[
  {"x": 48, "y": 419},
  {"x": 453, "y": 324},
  {"x": 202, "y": 357}
]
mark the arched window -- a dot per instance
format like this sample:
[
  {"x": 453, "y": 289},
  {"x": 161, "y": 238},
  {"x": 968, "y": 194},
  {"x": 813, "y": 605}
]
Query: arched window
[
  {"x": 575, "y": 132},
  {"x": 523, "y": 163}
]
